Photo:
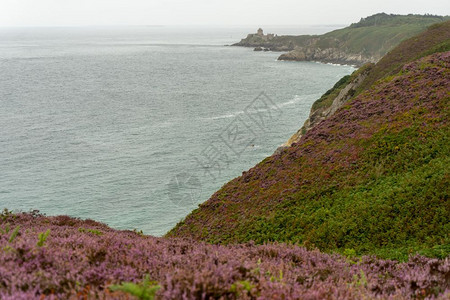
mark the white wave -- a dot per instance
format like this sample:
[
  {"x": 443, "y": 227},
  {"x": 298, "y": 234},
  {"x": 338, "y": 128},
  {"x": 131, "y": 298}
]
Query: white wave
[
  {"x": 292, "y": 101},
  {"x": 297, "y": 99},
  {"x": 226, "y": 116},
  {"x": 277, "y": 106},
  {"x": 164, "y": 124}
]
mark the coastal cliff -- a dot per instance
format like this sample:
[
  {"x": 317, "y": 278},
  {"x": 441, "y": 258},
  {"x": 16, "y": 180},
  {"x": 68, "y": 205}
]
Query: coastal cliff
[
  {"x": 272, "y": 42},
  {"x": 331, "y": 101},
  {"x": 364, "y": 42},
  {"x": 365, "y": 182},
  {"x": 329, "y": 55},
  {"x": 368, "y": 172},
  {"x": 361, "y": 79}
]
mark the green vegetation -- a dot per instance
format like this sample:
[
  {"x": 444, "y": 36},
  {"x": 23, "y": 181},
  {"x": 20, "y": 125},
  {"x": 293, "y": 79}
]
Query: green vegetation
[
  {"x": 42, "y": 238},
  {"x": 14, "y": 234},
  {"x": 400, "y": 207},
  {"x": 391, "y": 19},
  {"x": 89, "y": 230},
  {"x": 371, "y": 179},
  {"x": 120, "y": 263},
  {"x": 377, "y": 34},
  {"x": 434, "y": 40},
  {"x": 362, "y": 42},
  {"x": 327, "y": 99},
  {"x": 242, "y": 288},
  {"x": 145, "y": 290}
]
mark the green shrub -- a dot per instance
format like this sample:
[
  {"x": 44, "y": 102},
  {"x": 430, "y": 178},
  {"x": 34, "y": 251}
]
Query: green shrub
[
  {"x": 42, "y": 238},
  {"x": 145, "y": 290}
]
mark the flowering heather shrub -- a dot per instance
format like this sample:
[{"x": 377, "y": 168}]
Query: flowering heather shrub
[
  {"x": 82, "y": 264},
  {"x": 373, "y": 177},
  {"x": 435, "y": 39}
]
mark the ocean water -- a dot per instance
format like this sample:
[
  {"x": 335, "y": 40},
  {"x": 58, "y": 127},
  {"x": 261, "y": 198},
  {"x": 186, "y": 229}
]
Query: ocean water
[{"x": 136, "y": 126}]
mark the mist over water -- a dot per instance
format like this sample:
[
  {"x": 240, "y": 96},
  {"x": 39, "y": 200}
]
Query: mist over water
[{"x": 113, "y": 124}]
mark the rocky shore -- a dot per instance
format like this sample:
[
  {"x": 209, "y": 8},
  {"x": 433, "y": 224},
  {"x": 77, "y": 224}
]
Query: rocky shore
[
  {"x": 364, "y": 42},
  {"x": 303, "y": 48},
  {"x": 270, "y": 42},
  {"x": 330, "y": 55}
]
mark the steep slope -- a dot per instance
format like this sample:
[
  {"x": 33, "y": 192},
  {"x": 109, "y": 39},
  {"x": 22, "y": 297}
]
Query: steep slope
[
  {"x": 331, "y": 101},
  {"x": 360, "y": 43},
  {"x": 373, "y": 177},
  {"x": 435, "y": 39}
]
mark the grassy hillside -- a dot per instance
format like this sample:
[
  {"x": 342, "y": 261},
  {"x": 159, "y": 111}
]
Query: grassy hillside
[
  {"x": 359, "y": 43},
  {"x": 373, "y": 178},
  {"x": 435, "y": 39},
  {"x": 326, "y": 99},
  {"x": 378, "y": 34}
]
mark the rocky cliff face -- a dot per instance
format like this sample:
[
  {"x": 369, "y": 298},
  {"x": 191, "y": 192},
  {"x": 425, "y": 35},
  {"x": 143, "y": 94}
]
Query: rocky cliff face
[
  {"x": 354, "y": 179},
  {"x": 364, "y": 42},
  {"x": 274, "y": 44},
  {"x": 370, "y": 173},
  {"x": 317, "y": 115},
  {"x": 329, "y": 55}
]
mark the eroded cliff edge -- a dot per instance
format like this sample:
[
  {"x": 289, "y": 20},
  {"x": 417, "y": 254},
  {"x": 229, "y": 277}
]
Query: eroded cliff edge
[{"x": 331, "y": 101}]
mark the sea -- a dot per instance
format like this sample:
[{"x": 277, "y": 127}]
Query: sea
[{"x": 136, "y": 126}]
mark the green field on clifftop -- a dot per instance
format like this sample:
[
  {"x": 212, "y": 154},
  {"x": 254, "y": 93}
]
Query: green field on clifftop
[
  {"x": 369, "y": 39},
  {"x": 378, "y": 34}
]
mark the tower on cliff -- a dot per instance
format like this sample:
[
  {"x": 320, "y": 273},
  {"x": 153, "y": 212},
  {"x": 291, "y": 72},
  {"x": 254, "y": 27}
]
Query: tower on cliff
[{"x": 260, "y": 32}]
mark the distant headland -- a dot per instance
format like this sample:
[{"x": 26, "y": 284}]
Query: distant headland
[{"x": 363, "y": 42}]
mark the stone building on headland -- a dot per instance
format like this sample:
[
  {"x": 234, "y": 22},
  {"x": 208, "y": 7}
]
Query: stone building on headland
[{"x": 260, "y": 34}]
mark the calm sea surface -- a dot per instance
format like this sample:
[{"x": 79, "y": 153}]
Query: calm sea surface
[{"x": 136, "y": 126}]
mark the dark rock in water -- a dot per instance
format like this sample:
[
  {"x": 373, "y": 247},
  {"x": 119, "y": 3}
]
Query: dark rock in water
[{"x": 266, "y": 49}]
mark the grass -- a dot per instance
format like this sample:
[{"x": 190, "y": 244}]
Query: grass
[
  {"x": 144, "y": 290},
  {"x": 372, "y": 179},
  {"x": 372, "y": 37},
  {"x": 434, "y": 40},
  {"x": 327, "y": 99}
]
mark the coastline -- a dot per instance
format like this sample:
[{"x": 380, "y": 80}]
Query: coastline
[
  {"x": 327, "y": 56},
  {"x": 354, "y": 206},
  {"x": 366, "y": 41}
]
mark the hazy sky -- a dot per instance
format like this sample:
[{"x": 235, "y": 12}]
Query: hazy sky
[{"x": 204, "y": 12}]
